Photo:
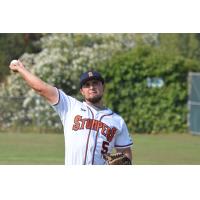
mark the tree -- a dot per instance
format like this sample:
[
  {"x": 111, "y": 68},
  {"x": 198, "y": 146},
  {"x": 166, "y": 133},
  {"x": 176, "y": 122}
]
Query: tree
[
  {"x": 185, "y": 44},
  {"x": 146, "y": 108},
  {"x": 13, "y": 45},
  {"x": 63, "y": 57}
]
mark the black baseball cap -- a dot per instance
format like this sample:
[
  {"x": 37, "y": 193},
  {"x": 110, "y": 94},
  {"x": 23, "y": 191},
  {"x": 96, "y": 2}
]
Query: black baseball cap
[{"x": 90, "y": 75}]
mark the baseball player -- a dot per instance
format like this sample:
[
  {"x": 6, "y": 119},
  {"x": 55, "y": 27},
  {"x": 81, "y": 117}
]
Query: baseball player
[{"x": 91, "y": 130}]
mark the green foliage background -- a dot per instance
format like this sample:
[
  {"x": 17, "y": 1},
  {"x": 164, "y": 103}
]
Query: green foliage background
[
  {"x": 149, "y": 110},
  {"x": 125, "y": 60},
  {"x": 13, "y": 45}
]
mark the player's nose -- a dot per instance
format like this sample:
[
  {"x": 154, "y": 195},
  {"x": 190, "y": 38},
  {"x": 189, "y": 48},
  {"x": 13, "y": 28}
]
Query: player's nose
[{"x": 91, "y": 86}]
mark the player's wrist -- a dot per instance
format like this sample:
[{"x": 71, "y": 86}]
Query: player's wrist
[{"x": 20, "y": 69}]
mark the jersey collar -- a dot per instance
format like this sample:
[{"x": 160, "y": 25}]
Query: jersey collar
[{"x": 97, "y": 109}]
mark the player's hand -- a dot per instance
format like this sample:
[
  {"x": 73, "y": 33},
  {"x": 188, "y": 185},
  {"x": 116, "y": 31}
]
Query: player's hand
[{"x": 15, "y": 65}]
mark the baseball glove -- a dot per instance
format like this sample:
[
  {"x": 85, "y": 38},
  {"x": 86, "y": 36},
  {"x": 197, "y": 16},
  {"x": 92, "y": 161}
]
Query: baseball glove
[{"x": 116, "y": 159}]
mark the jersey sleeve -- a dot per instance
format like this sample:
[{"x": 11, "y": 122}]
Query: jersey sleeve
[
  {"x": 64, "y": 105},
  {"x": 123, "y": 139}
]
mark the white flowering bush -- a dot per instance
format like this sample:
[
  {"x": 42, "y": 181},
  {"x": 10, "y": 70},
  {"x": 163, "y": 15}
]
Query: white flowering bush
[{"x": 61, "y": 61}]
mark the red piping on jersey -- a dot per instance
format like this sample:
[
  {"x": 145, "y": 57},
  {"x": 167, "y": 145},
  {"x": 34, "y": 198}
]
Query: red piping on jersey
[
  {"x": 88, "y": 138},
  {"x": 97, "y": 136}
]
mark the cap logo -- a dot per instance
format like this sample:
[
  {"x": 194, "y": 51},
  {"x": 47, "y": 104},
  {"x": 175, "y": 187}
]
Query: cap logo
[{"x": 90, "y": 74}]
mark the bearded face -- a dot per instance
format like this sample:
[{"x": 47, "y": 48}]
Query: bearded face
[
  {"x": 94, "y": 99},
  {"x": 92, "y": 91}
]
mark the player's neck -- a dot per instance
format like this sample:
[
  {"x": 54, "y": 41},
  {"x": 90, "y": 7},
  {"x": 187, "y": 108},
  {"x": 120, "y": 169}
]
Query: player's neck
[{"x": 97, "y": 105}]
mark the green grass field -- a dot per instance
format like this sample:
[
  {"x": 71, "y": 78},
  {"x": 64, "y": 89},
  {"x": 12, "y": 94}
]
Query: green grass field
[
  {"x": 169, "y": 149},
  {"x": 148, "y": 149},
  {"x": 31, "y": 149}
]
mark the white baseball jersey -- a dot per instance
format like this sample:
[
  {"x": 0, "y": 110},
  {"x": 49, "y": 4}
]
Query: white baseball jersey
[{"x": 88, "y": 132}]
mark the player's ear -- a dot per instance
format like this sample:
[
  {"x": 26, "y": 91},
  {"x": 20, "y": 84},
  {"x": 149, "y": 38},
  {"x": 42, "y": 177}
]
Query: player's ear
[{"x": 81, "y": 91}]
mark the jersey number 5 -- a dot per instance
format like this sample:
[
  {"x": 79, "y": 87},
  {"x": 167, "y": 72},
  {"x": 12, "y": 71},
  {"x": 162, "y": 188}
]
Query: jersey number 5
[{"x": 105, "y": 145}]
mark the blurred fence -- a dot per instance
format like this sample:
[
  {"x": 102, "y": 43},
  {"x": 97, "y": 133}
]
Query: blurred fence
[
  {"x": 18, "y": 116},
  {"x": 194, "y": 103}
]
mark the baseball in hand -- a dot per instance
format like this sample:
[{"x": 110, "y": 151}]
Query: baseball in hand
[
  {"x": 14, "y": 65},
  {"x": 14, "y": 62}
]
